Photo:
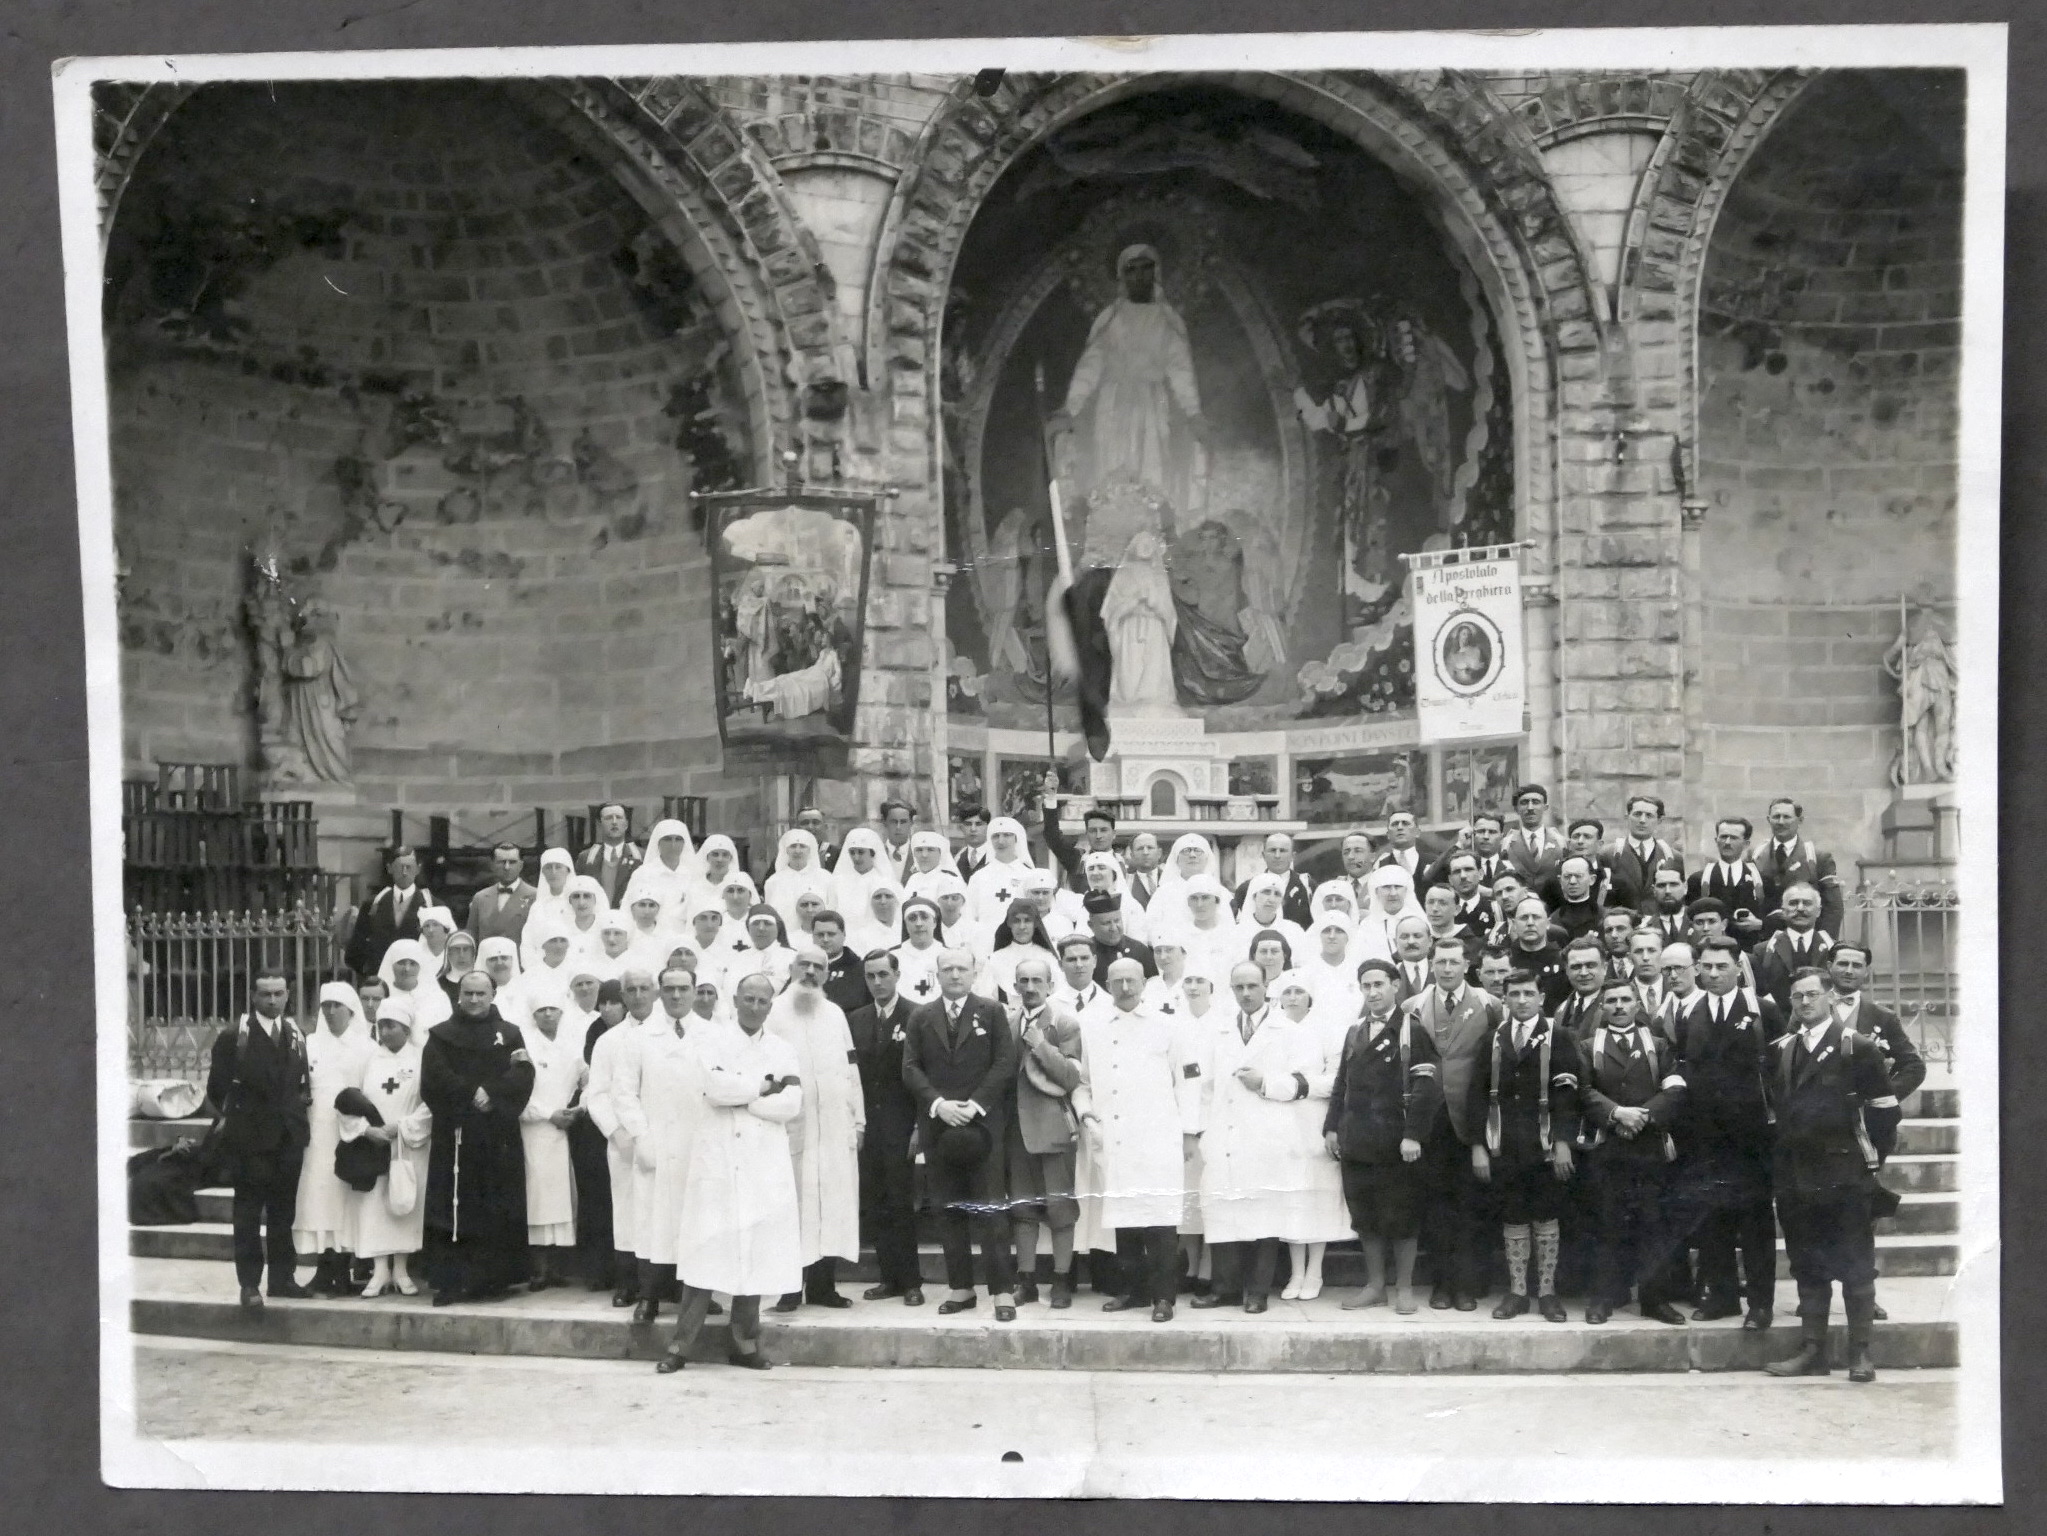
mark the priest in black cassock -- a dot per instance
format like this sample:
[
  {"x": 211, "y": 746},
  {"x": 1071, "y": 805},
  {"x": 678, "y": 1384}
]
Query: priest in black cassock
[{"x": 475, "y": 1076}]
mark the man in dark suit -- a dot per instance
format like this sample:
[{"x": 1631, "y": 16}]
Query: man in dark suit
[
  {"x": 611, "y": 860},
  {"x": 960, "y": 1060},
  {"x": 1460, "y": 1020},
  {"x": 1532, "y": 946},
  {"x": 1798, "y": 944},
  {"x": 1484, "y": 833},
  {"x": 1105, "y": 927},
  {"x": 1534, "y": 847},
  {"x": 1632, "y": 1096},
  {"x": 1141, "y": 868},
  {"x": 1720, "y": 1186},
  {"x": 1404, "y": 846},
  {"x": 1787, "y": 858},
  {"x": 1633, "y": 860},
  {"x": 1040, "y": 1144},
  {"x": 499, "y": 911},
  {"x": 1733, "y": 879},
  {"x": 260, "y": 1088},
  {"x": 1835, "y": 1117},
  {"x": 1477, "y": 914},
  {"x": 810, "y": 819},
  {"x": 1585, "y": 974},
  {"x": 1854, "y": 1008},
  {"x": 1664, "y": 912},
  {"x": 390, "y": 915},
  {"x": 974, "y": 851},
  {"x": 1296, "y": 896},
  {"x": 1411, "y": 944},
  {"x": 888, "y": 1208}
]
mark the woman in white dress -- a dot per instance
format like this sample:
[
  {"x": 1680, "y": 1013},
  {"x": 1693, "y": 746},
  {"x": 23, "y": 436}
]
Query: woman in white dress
[
  {"x": 324, "y": 1223},
  {"x": 878, "y": 925},
  {"x": 1273, "y": 956},
  {"x": 717, "y": 858},
  {"x": 930, "y": 856},
  {"x": 499, "y": 960},
  {"x": 767, "y": 950},
  {"x": 863, "y": 869},
  {"x": 558, "y": 1074},
  {"x": 1192, "y": 855},
  {"x": 669, "y": 874},
  {"x": 917, "y": 956},
  {"x": 436, "y": 927},
  {"x": 1191, "y": 1027},
  {"x": 1214, "y": 941},
  {"x": 614, "y": 939},
  {"x": 1264, "y": 899},
  {"x": 996, "y": 883},
  {"x": 1319, "y": 1216},
  {"x": 409, "y": 966},
  {"x": 390, "y": 1081},
  {"x": 1331, "y": 974},
  {"x": 798, "y": 868},
  {"x": 587, "y": 906},
  {"x": 557, "y": 869}
]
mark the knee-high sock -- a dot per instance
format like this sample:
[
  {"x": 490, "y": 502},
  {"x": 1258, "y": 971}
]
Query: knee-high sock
[
  {"x": 1516, "y": 1234},
  {"x": 1547, "y": 1242},
  {"x": 1062, "y": 1254}
]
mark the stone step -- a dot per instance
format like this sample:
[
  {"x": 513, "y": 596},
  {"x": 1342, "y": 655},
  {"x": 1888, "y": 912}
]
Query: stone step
[
  {"x": 1896, "y": 1254},
  {"x": 197, "y": 1301},
  {"x": 1920, "y": 1212},
  {"x": 1928, "y": 1136},
  {"x": 1923, "y": 1171}
]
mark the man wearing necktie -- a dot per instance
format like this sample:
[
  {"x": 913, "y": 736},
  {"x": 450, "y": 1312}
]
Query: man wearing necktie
[
  {"x": 1460, "y": 1020},
  {"x": 1534, "y": 847},
  {"x": 1039, "y": 1147},
  {"x": 1733, "y": 880},
  {"x": 1635, "y": 858},
  {"x": 1403, "y": 845},
  {"x": 1720, "y": 1192},
  {"x": 499, "y": 911},
  {"x": 1632, "y": 1094},
  {"x": 960, "y": 1059},
  {"x": 1798, "y": 944},
  {"x": 1788, "y": 857},
  {"x": 611, "y": 860},
  {"x": 1836, "y": 1115}
]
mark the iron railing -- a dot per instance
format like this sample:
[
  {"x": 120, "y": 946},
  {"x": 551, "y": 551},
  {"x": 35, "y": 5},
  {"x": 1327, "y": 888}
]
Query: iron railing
[
  {"x": 1911, "y": 927},
  {"x": 189, "y": 976}
]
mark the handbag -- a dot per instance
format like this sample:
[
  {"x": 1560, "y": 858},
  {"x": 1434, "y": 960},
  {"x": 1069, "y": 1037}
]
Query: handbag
[{"x": 401, "y": 1189}]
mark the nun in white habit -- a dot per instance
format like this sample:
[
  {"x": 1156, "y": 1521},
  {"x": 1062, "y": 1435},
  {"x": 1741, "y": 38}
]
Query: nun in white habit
[
  {"x": 798, "y": 868},
  {"x": 930, "y": 857},
  {"x": 671, "y": 874},
  {"x": 1192, "y": 856},
  {"x": 558, "y": 1073},
  {"x": 863, "y": 868},
  {"x": 557, "y": 869},
  {"x": 1324, "y": 962},
  {"x": 1390, "y": 890},
  {"x": 336, "y": 1054},
  {"x": 999, "y": 881},
  {"x": 410, "y": 978},
  {"x": 390, "y": 1082},
  {"x": 879, "y": 925}
]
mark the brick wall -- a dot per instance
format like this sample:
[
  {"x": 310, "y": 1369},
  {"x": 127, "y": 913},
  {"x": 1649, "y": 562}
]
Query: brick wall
[
  {"x": 441, "y": 374},
  {"x": 1829, "y": 343}
]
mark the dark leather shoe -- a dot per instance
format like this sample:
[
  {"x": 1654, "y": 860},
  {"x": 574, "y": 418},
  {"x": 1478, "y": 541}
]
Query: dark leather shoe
[
  {"x": 1005, "y": 1312},
  {"x": 1062, "y": 1295},
  {"x": 1462, "y": 1302},
  {"x": 1513, "y": 1304},
  {"x": 647, "y": 1310},
  {"x": 670, "y": 1362},
  {"x": 1552, "y": 1308},
  {"x": 1215, "y": 1299},
  {"x": 1162, "y": 1312},
  {"x": 1254, "y": 1303},
  {"x": 1026, "y": 1292},
  {"x": 880, "y": 1293},
  {"x": 949, "y": 1306},
  {"x": 624, "y": 1296},
  {"x": 1712, "y": 1309},
  {"x": 449, "y": 1298},
  {"x": 913, "y": 1297},
  {"x": 1757, "y": 1320},
  {"x": 1880, "y": 1315},
  {"x": 788, "y": 1303},
  {"x": 1121, "y": 1304},
  {"x": 252, "y": 1299},
  {"x": 1598, "y": 1312},
  {"x": 1811, "y": 1360},
  {"x": 713, "y": 1310},
  {"x": 829, "y": 1299},
  {"x": 1664, "y": 1312},
  {"x": 757, "y": 1361},
  {"x": 291, "y": 1290},
  {"x": 1859, "y": 1368},
  {"x": 1439, "y": 1299}
]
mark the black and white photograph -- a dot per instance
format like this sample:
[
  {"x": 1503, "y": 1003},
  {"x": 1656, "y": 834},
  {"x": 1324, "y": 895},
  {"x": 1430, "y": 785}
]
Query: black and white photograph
[{"x": 1200, "y": 767}]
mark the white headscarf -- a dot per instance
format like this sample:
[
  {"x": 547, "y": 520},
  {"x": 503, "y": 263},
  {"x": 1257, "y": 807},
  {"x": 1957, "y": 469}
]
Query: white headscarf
[
  {"x": 705, "y": 891},
  {"x": 1172, "y": 887},
  {"x": 865, "y": 930},
  {"x": 998, "y": 880},
  {"x": 547, "y": 904},
  {"x": 1338, "y": 998},
  {"x": 358, "y": 1022},
  {"x": 786, "y": 884},
  {"x": 428, "y": 1003},
  {"x": 442, "y": 918},
  {"x": 671, "y": 887},
  {"x": 918, "y": 882},
  {"x": 399, "y": 1006},
  {"x": 849, "y": 886},
  {"x": 491, "y": 949}
]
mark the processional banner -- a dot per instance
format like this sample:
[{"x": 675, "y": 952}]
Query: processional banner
[{"x": 1469, "y": 658}]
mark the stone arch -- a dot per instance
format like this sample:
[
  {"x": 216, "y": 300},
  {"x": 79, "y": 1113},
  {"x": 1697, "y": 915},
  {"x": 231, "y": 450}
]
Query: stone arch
[
  {"x": 711, "y": 191},
  {"x": 1444, "y": 131}
]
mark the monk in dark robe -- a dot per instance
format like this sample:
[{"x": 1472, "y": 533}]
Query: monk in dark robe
[{"x": 474, "y": 1074}]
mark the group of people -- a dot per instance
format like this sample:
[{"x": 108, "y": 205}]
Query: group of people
[{"x": 1551, "y": 1057}]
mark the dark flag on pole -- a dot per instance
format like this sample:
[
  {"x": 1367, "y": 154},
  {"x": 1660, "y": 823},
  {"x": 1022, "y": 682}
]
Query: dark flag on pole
[{"x": 1076, "y": 642}]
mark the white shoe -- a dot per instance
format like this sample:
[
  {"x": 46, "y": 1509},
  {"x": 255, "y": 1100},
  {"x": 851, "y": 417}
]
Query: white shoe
[
  {"x": 1310, "y": 1291},
  {"x": 375, "y": 1289},
  {"x": 406, "y": 1287},
  {"x": 1291, "y": 1292}
]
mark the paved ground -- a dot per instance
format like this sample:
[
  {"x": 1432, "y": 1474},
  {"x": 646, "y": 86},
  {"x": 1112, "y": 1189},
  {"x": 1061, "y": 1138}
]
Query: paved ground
[{"x": 556, "y": 1422}]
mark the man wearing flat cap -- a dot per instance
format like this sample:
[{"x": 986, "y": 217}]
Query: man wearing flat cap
[{"x": 1105, "y": 924}]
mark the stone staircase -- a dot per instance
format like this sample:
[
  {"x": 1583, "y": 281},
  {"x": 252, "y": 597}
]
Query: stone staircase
[{"x": 181, "y": 1290}]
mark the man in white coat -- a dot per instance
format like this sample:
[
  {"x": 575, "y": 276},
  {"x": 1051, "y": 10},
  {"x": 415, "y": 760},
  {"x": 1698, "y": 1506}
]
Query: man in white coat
[
  {"x": 1253, "y": 1168},
  {"x": 740, "y": 1230},
  {"x": 825, "y": 1140},
  {"x": 659, "y": 1102},
  {"x": 1138, "y": 1114},
  {"x": 614, "y": 1075}
]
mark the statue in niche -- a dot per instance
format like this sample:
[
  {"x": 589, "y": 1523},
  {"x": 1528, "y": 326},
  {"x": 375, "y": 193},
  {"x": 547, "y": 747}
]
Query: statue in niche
[
  {"x": 305, "y": 699},
  {"x": 1132, "y": 411},
  {"x": 1352, "y": 341},
  {"x": 1922, "y": 660},
  {"x": 1142, "y": 620}
]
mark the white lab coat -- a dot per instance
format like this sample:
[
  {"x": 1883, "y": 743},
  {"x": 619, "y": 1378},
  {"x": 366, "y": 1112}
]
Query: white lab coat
[
  {"x": 1321, "y": 1215},
  {"x": 390, "y": 1081},
  {"x": 614, "y": 1059},
  {"x": 662, "y": 1105},
  {"x": 558, "y": 1071},
  {"x": 1252, "y": 1174},
  {"x": 326, "y": 1214},
  {"x": 824, "y": 1141},
  {"x": 1191, "y": 1047},
  {"x": 740, "y": 1233},
  {"x": 1134, "y": 1083}
]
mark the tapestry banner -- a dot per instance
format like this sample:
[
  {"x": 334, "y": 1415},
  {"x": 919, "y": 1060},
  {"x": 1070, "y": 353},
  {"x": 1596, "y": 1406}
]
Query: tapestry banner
[{"x": 1469, "y": 657}]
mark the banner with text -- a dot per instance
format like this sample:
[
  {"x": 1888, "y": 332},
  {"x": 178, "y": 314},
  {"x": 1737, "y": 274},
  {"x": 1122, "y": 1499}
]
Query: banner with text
[{"x": 1469, "y": 660}]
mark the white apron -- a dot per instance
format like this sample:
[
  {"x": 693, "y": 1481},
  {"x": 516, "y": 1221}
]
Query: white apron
[
  {"x": 326, "y": 1212},
  {"x": 1321, "y": 1215},
  {"x": 391, "y": 1082},
  {"x": 550, "y": 1177}
]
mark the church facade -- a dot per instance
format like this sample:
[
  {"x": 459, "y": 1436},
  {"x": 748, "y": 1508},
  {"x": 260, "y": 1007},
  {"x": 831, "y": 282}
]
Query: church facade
[{"x": 445, "y": 416}]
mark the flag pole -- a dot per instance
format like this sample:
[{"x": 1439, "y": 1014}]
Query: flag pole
[{"x": 1062, "y": 658}]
